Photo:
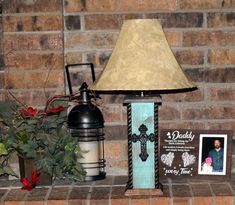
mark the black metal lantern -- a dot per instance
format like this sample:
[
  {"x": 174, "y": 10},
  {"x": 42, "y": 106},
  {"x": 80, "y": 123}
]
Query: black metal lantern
[{"x": 86, "y": 123}]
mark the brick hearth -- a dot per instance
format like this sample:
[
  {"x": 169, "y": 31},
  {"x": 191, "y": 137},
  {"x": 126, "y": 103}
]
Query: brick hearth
[{"x": 111, "y": 192}]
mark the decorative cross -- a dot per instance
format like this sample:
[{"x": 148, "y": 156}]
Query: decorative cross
[{"x": 143, "y": 138}]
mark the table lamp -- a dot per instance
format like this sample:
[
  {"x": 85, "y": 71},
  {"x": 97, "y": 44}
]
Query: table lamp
[{"x": 142, "y": 62}]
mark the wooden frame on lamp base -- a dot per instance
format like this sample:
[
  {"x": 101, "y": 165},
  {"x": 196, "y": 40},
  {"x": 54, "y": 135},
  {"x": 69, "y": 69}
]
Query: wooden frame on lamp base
[{"x": 142, "y": 114}]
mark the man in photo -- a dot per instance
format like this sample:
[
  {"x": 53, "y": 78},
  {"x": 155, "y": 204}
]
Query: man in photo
[{"x": 217, "y": 155}]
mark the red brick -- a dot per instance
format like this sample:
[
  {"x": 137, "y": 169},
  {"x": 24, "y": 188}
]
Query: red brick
[
  {"x": 173, "y": 38},
  {"x": 147, "y": 5},
  {"x": 56, "y": 202},
  {"x": 22, "y": 6},
  {"x": 218, "y": 20},
  {"x": 31, "y": 61},
  {"x": 59, "y": 193},
  {"x": 2, "y": 80},
  {"x": 224, "y": 125},
  {"x": 100, "y": 196},
  {"x": 221, "y": 94},
  {"x": 107, "y": 21},
  {"x": 16, "y": 195},
  {"x": 182, "y": 200},
  {"x": 19, "y": 42},
  {"x": 79, "y": 193},
  {"x": 32, "y": 23},
  {"x": 35, "y": 79},
  {"x": 102, "y": 21},
  {"x": 91, "y": 40},
  {"x": 191, "y": 57},
  {"x": 181, "y": 190},
  {"x": 113, "y": 150},
  {"x": 221, "y": 56},
  {"x": 168, "y": 113},
  {"x": 115, "y": 132},
  {"x": 177, "y": 20},
  {"x": 99, "y": 59},
  {"x": 112, "y": 113},
  {"x": 201, "y": 190},
  {"x": 160, "y": 200},
  {"x": 12, "y": 202},
  {"x": 119, "y": 201},
  {"x": 34, "y": 202},
  {"x": 140, "y": 201},
  {"x": 209, "y": 112},
  {"x": 221, "y": 200},
  {"x": 193, "y": 96},
  {"x": 206, "y": 4},
  {"x": 89, "y": 5},
  {"x": 77, "y": 202},
  {"x": 36, "y": 97},
  {"x": 202, "y": 200},
  {"x": 117, "y": 164},
  {"x": 99, "y": 202},
  {"x": 220, "y": 75},
  {"x": 181, "y": 125},
  {"x": 73, "y": 57},
  {"x": 221, "y": 189},
  {"x": 37, "y": 194},
  {"x": 195, "y": 74},
  {"x": 206, "y": 38}
]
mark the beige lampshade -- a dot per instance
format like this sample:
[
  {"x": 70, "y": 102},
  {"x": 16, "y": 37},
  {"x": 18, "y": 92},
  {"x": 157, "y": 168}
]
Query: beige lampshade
[{"x": 141, "y": 60}]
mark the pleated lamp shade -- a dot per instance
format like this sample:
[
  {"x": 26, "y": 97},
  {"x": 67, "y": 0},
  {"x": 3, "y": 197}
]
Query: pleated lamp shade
[{"x": 141, "y": 61}]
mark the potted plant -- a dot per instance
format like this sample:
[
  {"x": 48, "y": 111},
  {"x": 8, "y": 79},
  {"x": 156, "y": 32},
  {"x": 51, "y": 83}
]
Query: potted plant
[{"x": 39, "y": 136}]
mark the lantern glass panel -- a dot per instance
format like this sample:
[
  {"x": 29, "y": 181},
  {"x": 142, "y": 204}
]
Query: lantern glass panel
[{"x": 90, "y": 160}]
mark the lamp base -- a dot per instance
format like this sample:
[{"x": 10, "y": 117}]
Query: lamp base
[{"x": 143, "y": 192}]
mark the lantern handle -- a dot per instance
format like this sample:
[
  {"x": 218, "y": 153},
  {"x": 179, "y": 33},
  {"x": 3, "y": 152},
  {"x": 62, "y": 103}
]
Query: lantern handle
[{"x": 78, "y": 64}]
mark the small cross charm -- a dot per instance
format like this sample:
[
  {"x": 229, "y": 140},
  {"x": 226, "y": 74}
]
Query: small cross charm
[{"x": 143, "y": 138}]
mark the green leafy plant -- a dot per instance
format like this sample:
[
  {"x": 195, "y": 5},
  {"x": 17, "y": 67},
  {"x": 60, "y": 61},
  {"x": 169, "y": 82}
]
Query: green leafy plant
[{"x": 40, "y": 135}]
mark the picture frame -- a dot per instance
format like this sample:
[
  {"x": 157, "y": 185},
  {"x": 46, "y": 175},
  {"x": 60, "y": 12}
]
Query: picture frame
[
  {"x": 184, "y": 151},
  {"x": 212, "y": 161}
]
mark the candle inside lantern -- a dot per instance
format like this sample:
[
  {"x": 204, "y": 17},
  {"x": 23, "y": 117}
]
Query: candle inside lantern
[{"x": 90, "y": 160}]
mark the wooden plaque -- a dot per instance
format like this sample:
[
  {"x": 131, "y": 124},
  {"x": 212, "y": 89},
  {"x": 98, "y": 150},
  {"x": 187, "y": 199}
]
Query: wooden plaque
[{"x": 199, "y": 154}]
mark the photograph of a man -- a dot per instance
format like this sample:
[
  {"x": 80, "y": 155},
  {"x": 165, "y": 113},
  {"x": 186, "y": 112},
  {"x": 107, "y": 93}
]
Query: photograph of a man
[
  {"x": 212, "y": 154},
  {"x": 217, "y": 155}
]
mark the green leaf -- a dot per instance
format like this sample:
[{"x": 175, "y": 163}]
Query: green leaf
[
  {"x": 30, "y": 149},
  {"x": 3, "y": 150}
]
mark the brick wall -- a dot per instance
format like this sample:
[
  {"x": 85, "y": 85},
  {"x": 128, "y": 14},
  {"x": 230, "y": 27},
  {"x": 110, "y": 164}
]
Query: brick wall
[
  {"x": 1, "y": 56},
  {"x": 41, "y": 36}
]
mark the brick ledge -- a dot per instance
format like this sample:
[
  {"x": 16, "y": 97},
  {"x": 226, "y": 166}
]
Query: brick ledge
[{"x": 111, "y": 192}]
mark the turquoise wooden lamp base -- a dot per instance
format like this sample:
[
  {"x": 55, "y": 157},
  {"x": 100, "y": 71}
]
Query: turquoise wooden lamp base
[{"x": 142, "y": 116}]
